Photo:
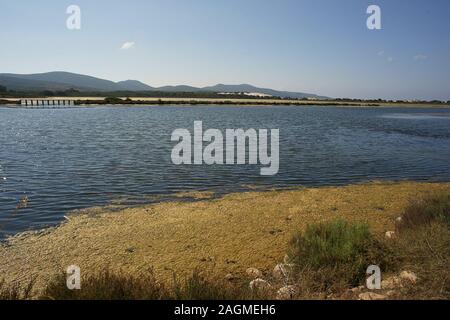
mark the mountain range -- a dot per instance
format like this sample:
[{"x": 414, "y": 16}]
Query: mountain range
[{"x": 61, "y": 81}]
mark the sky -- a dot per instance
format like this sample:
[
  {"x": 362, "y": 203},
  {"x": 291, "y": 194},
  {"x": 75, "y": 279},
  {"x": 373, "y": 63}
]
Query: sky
[{"x": 315, "y": 46}]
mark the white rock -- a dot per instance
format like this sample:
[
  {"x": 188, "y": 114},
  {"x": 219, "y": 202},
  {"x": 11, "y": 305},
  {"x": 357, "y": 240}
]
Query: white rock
[
  {"x": 390, "y": 234},
  {"x": 399, "y": 220},
  {"x": 408, "y": 276},
  {"x": 282, "y": 271},
  {"x": 254, "y": 273},
  {"x": 287, "y": 293},
  {"x": 371, "y": 296},
  {"x": 260, "y": 285},
  {"x": 391, "y": 293},
  {"x": 229, "y": 277}
]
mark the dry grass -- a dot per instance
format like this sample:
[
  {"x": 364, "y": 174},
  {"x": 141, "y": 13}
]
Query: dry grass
[
  {"x": 113, "y": 286},
  {"x": 423, "y": 245},
  {"x": 232, "y": 233},
  {"x": 107, "y": 286},
  {"x": 206, "y": 286},
  {"x": 15, "y": 291},
  {"x": 425, "y": 250},
  {"x": 328, "y": 259},
  {"x": 427, "y": 210}
]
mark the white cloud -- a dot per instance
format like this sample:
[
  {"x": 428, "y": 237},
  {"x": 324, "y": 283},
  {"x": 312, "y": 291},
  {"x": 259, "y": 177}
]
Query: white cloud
[
  {"x": 420, "y": 57},
  {"x": 127, "y": 45},
  {"x": 383, "y": 55}
]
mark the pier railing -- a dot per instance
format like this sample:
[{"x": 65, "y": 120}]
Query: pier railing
[{"x": 47, "y": 103}]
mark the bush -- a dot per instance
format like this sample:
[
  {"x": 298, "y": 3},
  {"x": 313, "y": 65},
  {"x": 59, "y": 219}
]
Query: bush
[
  {"x": 423, "y": 246},
  {"x": 200, "y": 286},
  {"x": 110, "y": 286},
  {"x": 425, "y": 250},
  {"x": 113, "y": 100},
  {"x": 107, "y": 286},
  {"x": 15, "y": 292},
  {"x": 435, "y": 208},
  {"x": 329, "y": 244},
  {"x": 337, "y": 252}
]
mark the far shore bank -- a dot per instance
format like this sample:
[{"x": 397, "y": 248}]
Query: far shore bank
[
  {"x": 227, "y": 234},
  {"x": 155, "y": 101}
]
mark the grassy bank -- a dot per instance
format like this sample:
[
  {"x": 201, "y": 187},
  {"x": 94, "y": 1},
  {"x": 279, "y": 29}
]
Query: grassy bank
[{"x": 327, "y": 237}]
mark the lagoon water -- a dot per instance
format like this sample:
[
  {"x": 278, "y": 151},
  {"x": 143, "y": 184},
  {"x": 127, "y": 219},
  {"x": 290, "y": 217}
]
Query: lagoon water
[{"x": 68, "y": 159}]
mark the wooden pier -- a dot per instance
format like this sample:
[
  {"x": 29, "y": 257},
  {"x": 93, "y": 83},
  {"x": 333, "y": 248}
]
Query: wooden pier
[{"x": 47, "y": 103}]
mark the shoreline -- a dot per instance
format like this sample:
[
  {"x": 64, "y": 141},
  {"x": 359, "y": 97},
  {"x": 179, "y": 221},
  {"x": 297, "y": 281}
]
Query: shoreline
[
  {"x": 227, "y": 234},
  {"x": 155, "y": 101}
]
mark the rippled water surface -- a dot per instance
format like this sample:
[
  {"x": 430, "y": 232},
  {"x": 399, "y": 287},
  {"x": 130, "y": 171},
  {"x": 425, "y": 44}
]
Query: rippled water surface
[{"x": 77, "y": 158}]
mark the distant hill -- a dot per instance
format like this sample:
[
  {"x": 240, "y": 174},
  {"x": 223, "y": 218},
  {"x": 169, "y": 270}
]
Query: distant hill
[
  {"x": 61, "y": 81},
  {"x": 180, "y": 88},
  {"x": 250, "y": 88},
  {"x": 23, "y": 84},
  {"x": 134, "y": 85},
  {"x": 64, "y": 79}
]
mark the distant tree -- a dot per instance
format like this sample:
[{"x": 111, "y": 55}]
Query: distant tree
[
  {"x": 3, "y": 89},
  {"x": 113, "y": 100},
  {"x": 47, "y": 93},
  {"x": 71, "y": 92},
  {"x": 60, "y": 93}
]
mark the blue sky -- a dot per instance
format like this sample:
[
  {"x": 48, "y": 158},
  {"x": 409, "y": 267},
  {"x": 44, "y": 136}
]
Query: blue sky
[{"x": 316, "y": 46}]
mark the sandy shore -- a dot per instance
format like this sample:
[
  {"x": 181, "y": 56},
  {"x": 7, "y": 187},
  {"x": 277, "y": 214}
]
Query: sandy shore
[{"x": 228, "y": 234}]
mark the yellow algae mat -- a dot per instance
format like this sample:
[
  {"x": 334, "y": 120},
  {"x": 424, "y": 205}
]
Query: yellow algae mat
[{"x": 228, "y": 235}]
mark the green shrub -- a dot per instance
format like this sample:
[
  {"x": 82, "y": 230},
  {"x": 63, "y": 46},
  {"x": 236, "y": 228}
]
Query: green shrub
[
  {"x": 337, "y": 252},
  {"x": 329, "y": 244},
  {"x": 113, "y": 100}
]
